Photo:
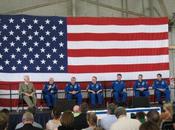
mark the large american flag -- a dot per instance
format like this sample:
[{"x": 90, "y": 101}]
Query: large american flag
[{"x": 62, "y": 47}]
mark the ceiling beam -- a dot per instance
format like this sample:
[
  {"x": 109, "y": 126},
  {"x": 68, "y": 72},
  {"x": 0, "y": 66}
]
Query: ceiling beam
[
  {"x": 163, "y": 7},
  {"x": 113, "y": 8},
  {"x": 16, "y": 11},
  {"x": 73, "y": 8}
]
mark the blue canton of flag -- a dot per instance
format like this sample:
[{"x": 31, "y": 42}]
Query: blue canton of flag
[{"x": 33, "y": 44}]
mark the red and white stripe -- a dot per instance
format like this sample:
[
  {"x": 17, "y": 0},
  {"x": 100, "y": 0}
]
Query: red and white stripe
[{"x": 107, "y": 46}]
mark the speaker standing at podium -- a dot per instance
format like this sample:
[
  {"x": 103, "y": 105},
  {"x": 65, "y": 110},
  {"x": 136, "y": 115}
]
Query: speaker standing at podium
[
  {"x": 27, "y": 92},
  {"x": 73, "y": 91},
  {"x": 141, "y": 87}
]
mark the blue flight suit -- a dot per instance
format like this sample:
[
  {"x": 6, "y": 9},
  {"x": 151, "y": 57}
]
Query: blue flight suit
[
  {"x": 50, "y": 95},
  {"x": 119, "y": 91},
  {"x": 141, "y": 84},
  {"x": 161, "y": 84},
  {"x": 96, "y": 98},
  {"x": 76, "y": 87}
]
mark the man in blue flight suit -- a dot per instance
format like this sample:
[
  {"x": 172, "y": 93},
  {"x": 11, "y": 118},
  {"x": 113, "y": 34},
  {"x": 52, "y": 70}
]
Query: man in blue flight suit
[
  {"x": 141, "y": 87},
  {"x": 161, "y": 89},
  {"x": 50, "y": 93},
  {"x": 73, "y": 91},
  {"x": 119, "y": 90},
  {"x": 95, "y": 92}
]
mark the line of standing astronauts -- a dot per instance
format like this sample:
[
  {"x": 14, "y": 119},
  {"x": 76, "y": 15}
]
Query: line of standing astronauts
[{"x": 95, "y": 90}]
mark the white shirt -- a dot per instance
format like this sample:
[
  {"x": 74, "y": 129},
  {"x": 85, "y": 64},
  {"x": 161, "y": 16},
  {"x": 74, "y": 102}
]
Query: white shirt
[
  {"x": 125, "y": 123},
  {"x": 107, "y": 121},
  {"x": 51, "y": 125}
]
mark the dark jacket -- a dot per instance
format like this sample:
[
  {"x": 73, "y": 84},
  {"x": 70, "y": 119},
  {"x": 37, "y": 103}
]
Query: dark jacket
[
  {"x": 80, "y": 121},
  {"x": 29, "y": 127},
  {"x": 65, "y": 128}
]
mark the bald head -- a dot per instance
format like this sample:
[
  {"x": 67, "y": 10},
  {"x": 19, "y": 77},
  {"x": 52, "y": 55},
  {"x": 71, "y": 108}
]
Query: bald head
[
  {"x": 27, "y": 117},
  {"x": 76, "y": 109}
]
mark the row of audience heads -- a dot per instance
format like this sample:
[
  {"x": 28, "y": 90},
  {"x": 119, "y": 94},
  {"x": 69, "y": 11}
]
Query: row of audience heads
[{"x": 151, "y": 119}]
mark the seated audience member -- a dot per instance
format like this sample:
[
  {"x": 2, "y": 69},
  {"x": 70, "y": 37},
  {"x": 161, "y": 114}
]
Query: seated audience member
[
  {"x": 161, "y": 89},
  {"x": 73, "y": 91},
  {"x": 119, "y": 90},
  {"x": 28, "y": 120},
  {"x": 6, "y": 111},
  {"x": 76, "y": 110},
  {"x": 95, "y": 90},
  {"x": 140, "y": 116},
  {"x": 107, "y": 120},
  {"x": 80, "y": 121},
  {"x": 92, "y": 121},
  {"x": 123, "y": 122},
  {"x": 67, "y": 120},
  {"x": 153, "y": 116},
  {"x": 3, "y": 121},
  {"x": 149, "y": 126},
  {"x": 168, "y": 112},
  {"x": 55, "y": 122},
  {"x": 34, "y": 124},
  {"x": 50, "y": 93},
  {"x": 27, "y": 92},
  {"x": 141, "y": 87}
]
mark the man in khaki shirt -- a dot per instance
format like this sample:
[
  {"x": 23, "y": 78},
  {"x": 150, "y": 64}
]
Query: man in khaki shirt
[
  {"x": 27, "y": 91},
  {"x": 123, "y": 122}
]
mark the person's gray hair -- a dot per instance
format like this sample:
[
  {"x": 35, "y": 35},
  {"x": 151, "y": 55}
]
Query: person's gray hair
[
  {"x": 119, "y": 111},
  {"x": 27, "y": 116}
]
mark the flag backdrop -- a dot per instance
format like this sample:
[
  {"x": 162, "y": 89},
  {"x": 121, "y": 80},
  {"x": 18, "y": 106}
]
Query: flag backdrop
[{"x": 61, "y": 47}]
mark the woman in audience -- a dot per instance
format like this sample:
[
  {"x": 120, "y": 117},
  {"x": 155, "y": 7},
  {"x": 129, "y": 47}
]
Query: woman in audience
[
  {"x": 92, "y": 121},
  {"x": 55, "y": 122},
  {"x": 168, "y": 112},
  {"x": 149, "y": 126},
  {"x": 153, "y": 116},
  {"x": 67, "y": 120},
  {"x": 3, "y": 121}
]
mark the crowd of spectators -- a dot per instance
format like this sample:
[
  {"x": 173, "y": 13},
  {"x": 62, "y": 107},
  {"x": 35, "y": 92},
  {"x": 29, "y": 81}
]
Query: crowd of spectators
[{"x": 81, "y": 119}]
